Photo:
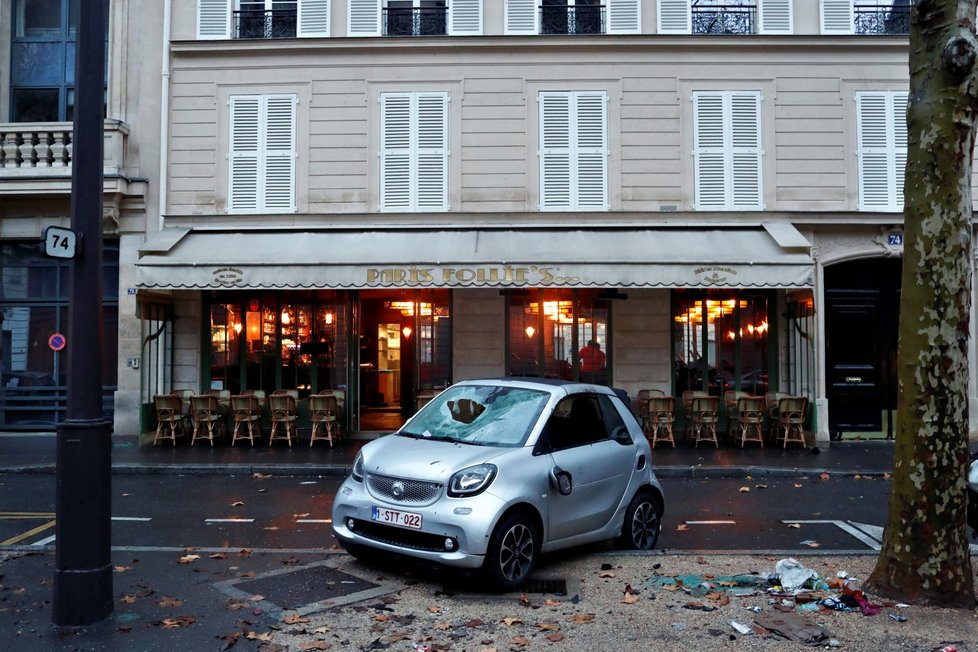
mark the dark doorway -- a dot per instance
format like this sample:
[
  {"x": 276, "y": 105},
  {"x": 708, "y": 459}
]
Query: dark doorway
[{"x": 862, "y": 300}]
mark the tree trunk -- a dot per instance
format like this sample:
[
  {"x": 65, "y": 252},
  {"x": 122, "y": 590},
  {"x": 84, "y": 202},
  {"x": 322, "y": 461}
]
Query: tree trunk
[{"x": 925, "y": 557}]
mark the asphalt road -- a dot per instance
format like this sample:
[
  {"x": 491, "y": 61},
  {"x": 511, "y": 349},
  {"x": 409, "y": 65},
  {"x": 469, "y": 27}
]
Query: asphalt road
[{"x": 292, "y": 513}]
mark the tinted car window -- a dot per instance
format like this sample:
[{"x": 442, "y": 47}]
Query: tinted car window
[
  {"x": 576, "y": 421},
  {"x": 614, "y": 425}
]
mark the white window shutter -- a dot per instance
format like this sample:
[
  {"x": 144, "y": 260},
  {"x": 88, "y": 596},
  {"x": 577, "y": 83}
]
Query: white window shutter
[
  {"x": 708, "y": 151},
  {"x": 555, "y": 150},
  {"x": 213, "y": 19},
  {"x": 837, "y": 17},
  {"x": 245, "y": 119},
  {"x": 521, "y": 17},
  {"x": 395, "y": 151},
  {"x": 624, "y": 16},
  {"x": 745, "y": 151},
  {"x": 591, "y": 120},
  {"x": 674, "y": 17},
  {"x": 464, "y": 17},
  {"x": 432, "y": 151},
  {"x": 776, "y": 17},
  {"x": 278, "y": 191},
  {"x": 899, "y": 109},
  {"x": 313, "y": 20},
  {"x": 364, "y": 18},
  {"x": 881, "y": 124}
]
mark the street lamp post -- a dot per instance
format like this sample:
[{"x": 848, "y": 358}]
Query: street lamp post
[{"x": 83, "y": 570}]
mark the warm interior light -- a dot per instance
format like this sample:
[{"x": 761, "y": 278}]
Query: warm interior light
[
  {"x": 329, "y": 318},
  {"x": 530, "y": 331},
  {"x": 406, "y": 331},
  {"x": 285, "y": 317},
  {"x": 237, "y": 328}
]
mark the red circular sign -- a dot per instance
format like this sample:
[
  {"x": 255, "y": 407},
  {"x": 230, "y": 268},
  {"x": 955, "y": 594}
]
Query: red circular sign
[{"x": 57, "y": 342}]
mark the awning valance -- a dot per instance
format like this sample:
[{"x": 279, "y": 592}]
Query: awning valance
[{"x": 665, "y": 258}]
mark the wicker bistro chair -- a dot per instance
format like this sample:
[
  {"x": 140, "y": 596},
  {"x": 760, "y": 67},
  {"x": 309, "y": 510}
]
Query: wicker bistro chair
[
  {"x": 751, "y": 411},
  {"x": 731, "y": 407},
  {"x": 791, "y": 420},
  {"x": 772, "y": 401},
  {"x": 246, "y": 410},
  {"x": 661, "y": 416},
  {"x": 324, "y": 410},
  {"x": 208, "y": 415},
  {"x": 283, "y": 410},
  {"x": 171, "y": 421},
  {"x": 703, "y": 419}
]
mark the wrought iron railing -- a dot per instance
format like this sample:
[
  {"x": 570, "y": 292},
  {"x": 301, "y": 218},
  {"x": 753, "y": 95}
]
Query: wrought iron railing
[
  {"x": 882, "y": 18},
  {"x": 563, "y": 19},
  {"x": 277, "y": 23},
  {"x": 415, "y": 21},
  {"x": 724, "y": 19}
]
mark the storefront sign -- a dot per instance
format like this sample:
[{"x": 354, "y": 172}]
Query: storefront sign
[
  {"x": 714, "y": 275},
  {"x": 505, "y": 275},
  {"x": 228, "y": 277}
]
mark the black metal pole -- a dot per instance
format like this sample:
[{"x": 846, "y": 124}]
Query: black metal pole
[{"x": 83, "y": 570}]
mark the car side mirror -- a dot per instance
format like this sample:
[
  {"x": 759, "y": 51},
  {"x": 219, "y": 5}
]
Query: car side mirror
[
  {"x": 620, "y": 435},
  {"x": 562, "y": 480}
]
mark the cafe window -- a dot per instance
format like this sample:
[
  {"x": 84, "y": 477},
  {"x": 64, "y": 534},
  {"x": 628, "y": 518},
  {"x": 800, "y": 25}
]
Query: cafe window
[
  {"x": 721, "y": 342},
  {"x": 559, "y": 334}
]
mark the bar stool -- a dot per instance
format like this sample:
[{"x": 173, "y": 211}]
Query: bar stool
[
  {"x": 661, "y": 416},
  {"x": 322, "y": 412},
  {"x": 247, "y": 412},
  {"x": 750, "y": 414},
  {"x": 206, "y": 411},
  {"x": 283, "y": 411},
  {"x": 704, "y": 419}
]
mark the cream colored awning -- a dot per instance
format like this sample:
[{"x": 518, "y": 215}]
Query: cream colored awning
[{"x": 757, "y": 257}]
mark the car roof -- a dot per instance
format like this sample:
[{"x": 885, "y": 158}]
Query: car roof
[{"x": 552, "y": 385}]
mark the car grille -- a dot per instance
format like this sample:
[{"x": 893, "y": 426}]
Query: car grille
[
  {"x": 405, "y": 492},
  {"x": 399, "y": 536}
]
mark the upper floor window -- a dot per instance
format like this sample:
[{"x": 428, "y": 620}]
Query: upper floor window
[
  {"x": 261, "y": 168},
  {"x": 221, "y": 19},
  {"x": 574, "y": 150},
  {"x": 881, "y": 126},
  {"x": 725, "y": 16},
  {"x": 727, "y": 150},
  {"x": 413, "y": 151},
  {"x": 414, "y": 17},
  {"x": 573, "y": 16},
  {"x": 866, "y": 16}
]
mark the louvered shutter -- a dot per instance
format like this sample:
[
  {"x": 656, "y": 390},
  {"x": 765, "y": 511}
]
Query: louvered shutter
[
  {"x": 464, "y": 17},
  {"x": 708, "y": 151},
  {"x": 245, "y": 119},
  {"x": 395, "y": 151},
  {"x": 364, "y": 18},
  {"x": 313, "y": 18},
  {"x": 555, "y": 150},
  {"x": 899, "y": 110},
  {"x": 591, "y": 151},
  {"x": 882, "y": 137},
  {"x": 674, "y": 17},
  {"x": 213, "y": 19},
  {"x": 776, "y": 17},
  {"x": 432, "y": 151},
  {"x": 278, "y": 189},
  {"x": 624, "y": 16},
  {"x": 745, "y": 151},
  {"x": 521, "y": 17},
  {"x": 837, "y": 17}
]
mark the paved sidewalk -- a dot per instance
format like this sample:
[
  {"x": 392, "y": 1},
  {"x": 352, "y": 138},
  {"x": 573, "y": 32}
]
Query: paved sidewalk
[{"x": 35, "y": 453}]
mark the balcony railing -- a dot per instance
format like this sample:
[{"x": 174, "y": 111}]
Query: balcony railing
[
  {"x": 879, "y": 19},
  {"x": 277, "y": 23},
  {"x": 415, "y": 21},
  {"x": 562, "y": 19},
  {"x": 725, "y": 19},
  {"x": 44, "y": 149}
]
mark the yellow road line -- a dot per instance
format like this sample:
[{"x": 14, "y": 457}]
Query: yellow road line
[
  {"x": 28, "y": 534},
  {"x": 18, "y": 515}
]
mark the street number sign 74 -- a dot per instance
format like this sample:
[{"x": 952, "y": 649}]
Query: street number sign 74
[{"x": 60, "y": 242}]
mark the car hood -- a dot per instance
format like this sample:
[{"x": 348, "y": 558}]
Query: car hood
[{"x": 423, "y": 459}]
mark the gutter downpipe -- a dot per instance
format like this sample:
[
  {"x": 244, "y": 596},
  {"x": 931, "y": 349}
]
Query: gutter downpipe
[{"x": 164, "y": 113}]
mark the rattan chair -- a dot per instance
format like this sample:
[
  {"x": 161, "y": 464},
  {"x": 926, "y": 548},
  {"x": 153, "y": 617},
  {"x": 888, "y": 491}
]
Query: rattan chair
[
  {"x": 206, "y": 413},
  {"x": 661, "y": 416},
  {"x": 751, "y": 411},
  {"x": 791, "y": 420},
  {"x": 283, "y": 410},
  {"x": 170, "y": 418},
  {"x": 247, "y": 415},
  {"x": 323, "y": 411},
  {"x": 703, "y": 419}
]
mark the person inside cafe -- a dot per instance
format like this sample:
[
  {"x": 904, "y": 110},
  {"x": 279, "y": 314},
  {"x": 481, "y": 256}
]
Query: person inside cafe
[{"x": 592, "y": 359}]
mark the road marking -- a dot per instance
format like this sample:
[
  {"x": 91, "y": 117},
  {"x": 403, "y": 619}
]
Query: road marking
[
  {"x": 28, "y": 534},
  {"x": 138, "y": 519},
  {"x": 25, "y": 515},
  {"x": 314, "y": 520},
  {"x": 229, "y": 520},
  {"x": 869, "y": 541},
  {"x": 44, "y": 542},
  {"x": 710, "y": 522}
]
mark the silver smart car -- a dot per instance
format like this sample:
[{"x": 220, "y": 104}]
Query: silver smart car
[{"x": 491, "y": 473}]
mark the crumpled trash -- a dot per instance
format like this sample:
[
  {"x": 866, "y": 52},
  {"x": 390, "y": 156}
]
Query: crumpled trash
[
  {"x": 862, "y": 602},
  {"x": 794, "y": 628},
  {"x": 793, "y": 575}
]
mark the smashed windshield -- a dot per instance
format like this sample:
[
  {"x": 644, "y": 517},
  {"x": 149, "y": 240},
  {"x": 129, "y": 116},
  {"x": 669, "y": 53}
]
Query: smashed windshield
[{"x": 484, "y": 415}]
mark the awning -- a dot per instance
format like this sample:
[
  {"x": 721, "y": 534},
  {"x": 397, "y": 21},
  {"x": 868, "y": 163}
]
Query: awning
[{"x": 757, "y": 257}]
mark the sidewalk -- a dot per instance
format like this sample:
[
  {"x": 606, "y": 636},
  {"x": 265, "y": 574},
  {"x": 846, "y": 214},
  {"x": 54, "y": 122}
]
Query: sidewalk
[{"x": 35, "y": 453}]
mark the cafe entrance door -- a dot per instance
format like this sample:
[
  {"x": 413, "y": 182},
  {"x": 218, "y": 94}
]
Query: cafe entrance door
[{"x": 405, "y": 349}]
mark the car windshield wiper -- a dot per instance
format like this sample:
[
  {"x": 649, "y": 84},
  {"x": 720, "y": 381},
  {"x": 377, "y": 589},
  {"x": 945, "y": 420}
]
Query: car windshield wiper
[{"x": 412, "y": 435}]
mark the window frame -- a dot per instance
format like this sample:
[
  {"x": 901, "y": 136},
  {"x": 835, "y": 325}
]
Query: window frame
[
  {"x": 549, "y": 153},
  {"x": 412, "y": 152},
  {"x": 894, "y": 154}
]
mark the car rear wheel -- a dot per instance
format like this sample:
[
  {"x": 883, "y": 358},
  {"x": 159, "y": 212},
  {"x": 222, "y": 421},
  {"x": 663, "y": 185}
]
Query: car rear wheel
[
  {"x": 642, "y": 524},
  {"x": 512, "y": 552}
]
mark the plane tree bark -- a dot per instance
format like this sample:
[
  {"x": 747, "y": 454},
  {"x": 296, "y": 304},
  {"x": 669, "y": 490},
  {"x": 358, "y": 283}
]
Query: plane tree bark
[{"x": 925, "y": 557}]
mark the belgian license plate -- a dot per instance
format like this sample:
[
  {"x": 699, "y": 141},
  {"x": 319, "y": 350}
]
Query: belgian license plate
[{"x": 395, "y": 517}]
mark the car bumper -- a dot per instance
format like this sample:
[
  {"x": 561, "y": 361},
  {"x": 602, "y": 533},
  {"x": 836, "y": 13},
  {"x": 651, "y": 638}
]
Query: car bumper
[{"x": 466, "y": 522}]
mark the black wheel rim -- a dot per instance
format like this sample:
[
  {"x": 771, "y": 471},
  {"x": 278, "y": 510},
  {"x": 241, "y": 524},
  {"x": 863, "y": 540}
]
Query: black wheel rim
[
  {"x": 645, "y": 526},
  {"x": 516, "y": 553}
]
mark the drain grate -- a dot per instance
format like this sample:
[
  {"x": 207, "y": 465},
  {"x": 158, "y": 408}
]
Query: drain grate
[
  {"x": 305, "y": 585},
  {"x": 546, "y": 585}
]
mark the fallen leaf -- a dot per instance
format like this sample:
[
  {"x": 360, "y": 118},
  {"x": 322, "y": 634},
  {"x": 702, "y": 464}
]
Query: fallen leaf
[
  {"x": 230, "y": 640},
  {"x": 794, "y": 525},
  {"x": 887, "y": 476},
  {"x": 512, "y": 620},
  {"x": 217, "y": 555},
  {"x": 381, "y": 618},
  {"x": 179, "y": 621},
  {"x": 237, "y": 503},
  {"x": 745, "y": 490},
  {"x": 629, "y": 598},
  {"x": 257, "y": 597},
  {"x": 321, "y": 630},
  {"x": 721, "y": 599},
  {"x": 170, "y": 602},
  {"x": 315, "y": 645},
  {"x": 824, "y": 476},
  {"x": 291, "y": 560},
  {"x": 235, "y": 605},
  {"x": 188, "y": 559},
  {"x": 857, "y": 477},
  {"x": 519, "y": 641},
  {"x": 701, "y": 560},
  {"x": 121, "y": 569},
  {"x": 244, "y": 552},
  {"x": 606, "y": 574},
  {"x": 551, "y": 603},
  {"x": 546, "y": 627},
  {"x": 435, "y": 609},
  {"x": 271, "y": 528},
  {"x": 524, "y": 599},
  {"x": 255, "y": 636},
  {"x": 760, "y": 486},
  {"x": 475, "y": 622},
  {"x": 798, "y": 486},
  {"x": 128, "y": 599},
  {"x": 556, "y": 637},
  {"x": 295, "y": 619},
  {"x": 260, "y": 476},
  {"x": 306, "y": 515},
  {"x": 671, "y": 587},
  {"x": 443, "y": 626},
  {"x": 682, "y": 527},
  {"x": 582, "y": 619}
]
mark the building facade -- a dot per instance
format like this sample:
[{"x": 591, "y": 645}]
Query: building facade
[{"x": 384, "y": 197}]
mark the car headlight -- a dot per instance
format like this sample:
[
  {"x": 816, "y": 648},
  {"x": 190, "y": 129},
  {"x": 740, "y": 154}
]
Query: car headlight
[
  {"x": 471, "y": 481},
  {"x": 357, "y": 472}
]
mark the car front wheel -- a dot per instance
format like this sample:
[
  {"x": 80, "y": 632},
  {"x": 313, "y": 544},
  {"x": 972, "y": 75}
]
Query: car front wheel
[
  {"x": 642, "y": 524},
  {"x": 512, "y": 552}
]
